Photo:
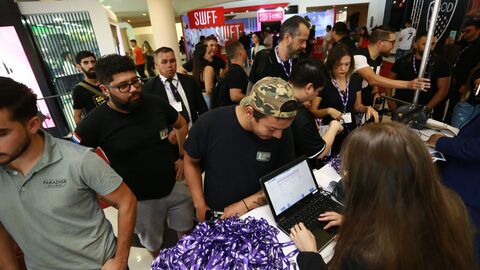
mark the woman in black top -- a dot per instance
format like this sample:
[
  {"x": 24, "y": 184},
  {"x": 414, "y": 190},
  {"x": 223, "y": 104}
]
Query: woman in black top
[
  {"x": 203, "y": 72},
  {"x": 341, "y": 97},
  {"x": 397, "y": 213}
]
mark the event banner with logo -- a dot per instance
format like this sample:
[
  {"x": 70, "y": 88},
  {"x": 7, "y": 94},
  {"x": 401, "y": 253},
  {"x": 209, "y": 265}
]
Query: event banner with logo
[
  {"x": 450, "y": 17},
  {"x": 208, "y": 17}
]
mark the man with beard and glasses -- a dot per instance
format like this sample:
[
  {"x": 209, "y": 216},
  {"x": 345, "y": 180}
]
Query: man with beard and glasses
[
  {"x": 437, "y": 70},
  {"x": 87, "y": 94},
  {"x": 131, "y": 129},
  {"x": 278, "y": 62},
  {"x": 48, "y": 195},
  {"x": 368, "y": 63}
]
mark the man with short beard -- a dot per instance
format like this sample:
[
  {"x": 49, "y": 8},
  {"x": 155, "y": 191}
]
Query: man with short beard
[
  {"x": 132, "y": 131},
  {"x": 368, "y": 62},
  {"x": 279, "y": 61},
  {"x": 87, "y": 94}
]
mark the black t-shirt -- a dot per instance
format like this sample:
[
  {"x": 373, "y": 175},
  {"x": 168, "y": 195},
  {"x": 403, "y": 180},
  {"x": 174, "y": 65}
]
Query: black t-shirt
[
  {"x": 362, "y": 58},
  {"x": 235, "y": 78},
  {"x": 347, "y": 41},
  {"x": 305, "y": 134},
  {"x": 234, "y": 159},
  {"x": 217, "y": 64},
  {"x": 136, "y": 144},
  {"x": 331, "y": 99},
  {"x": 85, "y": 99},
  {"x": 266, "y": 64},
  {"x": 436, "y": 68},
  {"x": 467, "y": 60}
]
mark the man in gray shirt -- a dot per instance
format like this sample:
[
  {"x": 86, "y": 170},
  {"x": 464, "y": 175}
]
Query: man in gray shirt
[{"x": 48, "y": 195}]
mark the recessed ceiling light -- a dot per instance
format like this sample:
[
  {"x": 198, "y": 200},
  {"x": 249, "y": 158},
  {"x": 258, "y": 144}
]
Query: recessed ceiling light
[
  {"x": 129, "y": 20},
  {"x": 345, "y": 7},
  {"x": 109, "y": 7},
  {"x": 231, "y": 12},
  {"x": 144, "y": 14},
  {"x": 246, "y": 11}
]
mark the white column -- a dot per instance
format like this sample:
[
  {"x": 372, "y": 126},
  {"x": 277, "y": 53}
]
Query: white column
[{"x": 162, "y": 18}]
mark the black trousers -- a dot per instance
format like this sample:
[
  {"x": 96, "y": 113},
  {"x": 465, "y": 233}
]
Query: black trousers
[{"x": 141, "y": 70}]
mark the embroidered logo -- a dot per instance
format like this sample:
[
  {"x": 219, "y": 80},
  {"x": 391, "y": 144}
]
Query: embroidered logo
[
  {"x": 54, "y": 183},
  {"x": 163, "y": 134},
  {"x": 263, "y": 156}
]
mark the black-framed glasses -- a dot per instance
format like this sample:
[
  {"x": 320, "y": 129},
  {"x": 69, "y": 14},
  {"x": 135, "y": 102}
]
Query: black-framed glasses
[
  {"x": 125, "y": 87},
  {"x": 391, "y": 41}
]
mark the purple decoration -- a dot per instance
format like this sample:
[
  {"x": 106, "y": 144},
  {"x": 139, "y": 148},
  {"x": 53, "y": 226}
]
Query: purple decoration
[
  {"x": 232, "y": 243},
  {"x": 335, "y": 163}
]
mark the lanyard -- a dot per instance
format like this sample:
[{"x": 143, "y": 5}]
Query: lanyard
[
  {"x": 343, "y": 96},
  {"x": 288, "y": 73},
  {"x": 415, "y": 67}
]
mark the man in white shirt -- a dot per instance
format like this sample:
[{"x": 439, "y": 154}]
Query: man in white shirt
[{"x": 407, "y": 35}]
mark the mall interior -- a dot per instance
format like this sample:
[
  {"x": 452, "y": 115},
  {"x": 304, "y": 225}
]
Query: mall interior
[{"x": 40, "y": 44}]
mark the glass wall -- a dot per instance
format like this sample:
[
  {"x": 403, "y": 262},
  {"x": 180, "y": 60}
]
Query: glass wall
[{"x": 59, "y": 37}]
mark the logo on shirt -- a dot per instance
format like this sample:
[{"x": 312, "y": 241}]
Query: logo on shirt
[
  {"x": 54, "y": 183},
  {"x": 263, "y": 156},
  {"x": 163, "y": 134},
  {"x": 98, "y": 100}
]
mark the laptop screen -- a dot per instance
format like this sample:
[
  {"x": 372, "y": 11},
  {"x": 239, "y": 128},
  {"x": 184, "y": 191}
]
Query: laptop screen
[{"x": 290, "y": 186}]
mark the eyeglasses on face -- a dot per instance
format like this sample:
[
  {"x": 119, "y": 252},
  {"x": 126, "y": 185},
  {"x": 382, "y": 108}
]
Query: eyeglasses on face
[
  {"x": 125, "y": 87},
  {"x": 391, "y": 41}
]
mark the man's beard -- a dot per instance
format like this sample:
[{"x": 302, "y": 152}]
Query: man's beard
[
  {"x": 90, "y": 74},
  {"x": 126, "y": 106},
  {"x": 292, "y": 52},
  {"x": 23, "y": 147}
]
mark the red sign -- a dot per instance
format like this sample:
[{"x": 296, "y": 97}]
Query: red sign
[
  {"x": 208, "y": 17},
  {"x": 232, "y": 31},
  {"x": 270, "y": 15}
]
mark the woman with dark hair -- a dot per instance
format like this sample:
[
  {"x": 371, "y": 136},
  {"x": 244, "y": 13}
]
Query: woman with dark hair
[
  {"x": 363, "y": 41},
  {"x": 148, "y": 52},
  {"x": 397, "y": 215},
  {"x": 341, "y": 98},
  {"x": 257, "y": 39},
  {"x": 203, "y": 72}
]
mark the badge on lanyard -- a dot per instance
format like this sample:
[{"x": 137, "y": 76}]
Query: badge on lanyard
[
  {"x": 177, "y": 106},
  {"x": 347, "y": 118},
  {"x": 263, "y": 156},
  {"x": 163, "y": 134}
]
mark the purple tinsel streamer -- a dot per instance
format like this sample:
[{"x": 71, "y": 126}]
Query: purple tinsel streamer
[
  {"x": 335, "y": 163},
  {"x": 227, "y": 244}
]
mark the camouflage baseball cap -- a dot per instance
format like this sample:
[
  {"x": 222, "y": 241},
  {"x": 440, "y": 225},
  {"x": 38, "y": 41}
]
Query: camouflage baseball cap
[{"x": 272, "y": 96}]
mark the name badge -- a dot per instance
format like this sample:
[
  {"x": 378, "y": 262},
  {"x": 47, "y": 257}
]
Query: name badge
[
  {"x": 163, "y": 134},
  {"x": 263, "y": 156},
  {"x": 347, "y": 118},
  {"x": 177, "y": 106}
]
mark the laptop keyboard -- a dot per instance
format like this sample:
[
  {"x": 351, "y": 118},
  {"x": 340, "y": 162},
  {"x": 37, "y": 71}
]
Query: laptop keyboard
[{"x": 310, "y": 215}]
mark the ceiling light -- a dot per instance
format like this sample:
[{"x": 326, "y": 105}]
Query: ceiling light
[
  {"x": 144, "y": 14},
  {"x": 345, "y": 7},
  {"x": 246, "y": 11},
  {"x": 109, "y": 7},
  {"x": 129, "y": 20},
  {"x": 231, "y": 12}
]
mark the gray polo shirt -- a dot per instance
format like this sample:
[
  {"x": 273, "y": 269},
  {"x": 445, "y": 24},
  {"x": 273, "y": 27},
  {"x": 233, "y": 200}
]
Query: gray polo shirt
[{"x": 53, "y": 212}]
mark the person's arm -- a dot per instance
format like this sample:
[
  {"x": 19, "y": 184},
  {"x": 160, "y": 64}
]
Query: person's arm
[
  {"x": 236, "y": 95},
  {"x": 466, "y": 149},
  {"x": 443, "y": 85},
  {"x": 368, "y": 110},
  {"x": 243, "y": 206},
  {"x": 123, "y": 200},
  {"x": 392, "y": 105},
  {"x": 376, "y": 80},
  {"x": 181, "y": 130},
  {"x": 77, "y": 115},
  {"x": 329, "y": 137},
  {"x": 193, "y": 177},
  {"x": 208, "y": 78},
  {"x": 8, "y": 259},
  {"x": 319, "y": 113},
  {"x": 134, "y": 54}
]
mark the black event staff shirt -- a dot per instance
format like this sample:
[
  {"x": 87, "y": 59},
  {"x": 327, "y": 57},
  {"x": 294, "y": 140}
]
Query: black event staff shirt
[
  {"x": 85, "y": 99},
  {"x": 233, "y": 159},
  {"x": 362, "y": 59},
  {"x": 136, "y": 144},
  {"x": 235, "y": 78},
  {"x": 306, "y": 136},
  {"x": 217, "y": 64},
  {"x": 407, "y": 69}
]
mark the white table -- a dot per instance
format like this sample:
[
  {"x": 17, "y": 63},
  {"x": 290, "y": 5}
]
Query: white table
[{"x": 324, "y": 177}]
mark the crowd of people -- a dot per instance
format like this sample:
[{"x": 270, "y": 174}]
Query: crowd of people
[{"x": 177, "y": 146}]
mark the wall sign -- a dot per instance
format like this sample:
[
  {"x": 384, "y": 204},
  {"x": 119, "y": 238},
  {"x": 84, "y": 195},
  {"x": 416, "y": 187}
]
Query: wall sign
[{"x": 208, "y": 17}]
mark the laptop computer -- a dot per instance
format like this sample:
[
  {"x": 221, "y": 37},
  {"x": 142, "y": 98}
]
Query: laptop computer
[{"x": 294, "y": 196}]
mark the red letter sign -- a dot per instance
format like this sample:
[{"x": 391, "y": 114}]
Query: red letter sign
[{"x": 208, "y": 17}]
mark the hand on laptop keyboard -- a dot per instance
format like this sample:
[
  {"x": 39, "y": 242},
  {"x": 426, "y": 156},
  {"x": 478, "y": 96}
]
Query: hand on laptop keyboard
[
  {"x": 333, "y": 219},
  {"x": 303, "y": 238}
]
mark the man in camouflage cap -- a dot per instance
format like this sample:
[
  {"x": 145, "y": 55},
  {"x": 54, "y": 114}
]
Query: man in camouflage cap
[{"x": 236, "y": 145}]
